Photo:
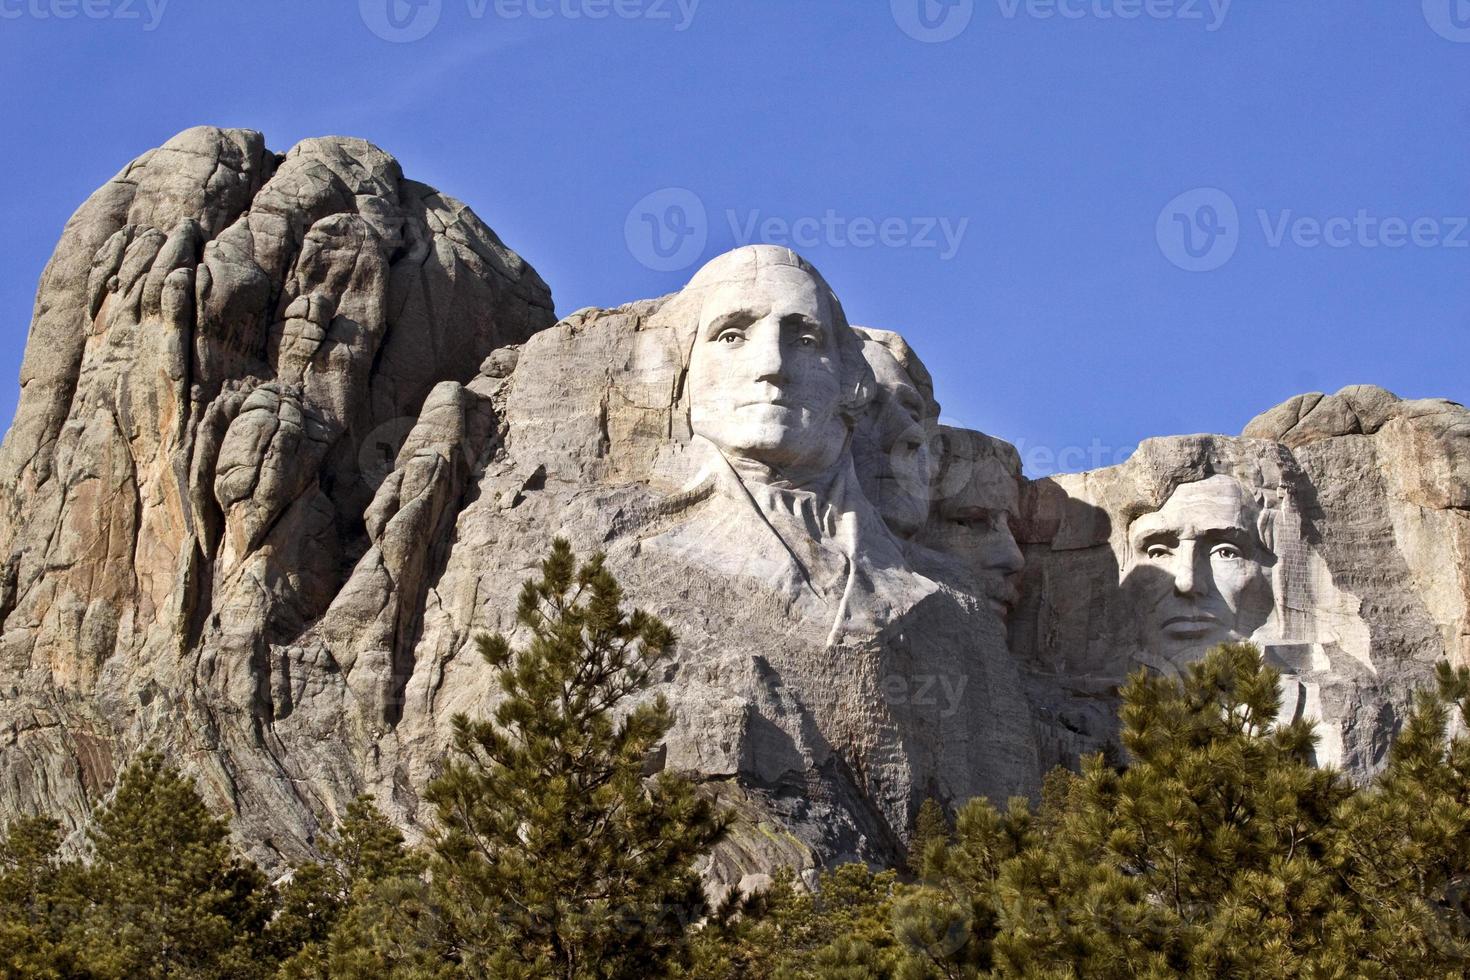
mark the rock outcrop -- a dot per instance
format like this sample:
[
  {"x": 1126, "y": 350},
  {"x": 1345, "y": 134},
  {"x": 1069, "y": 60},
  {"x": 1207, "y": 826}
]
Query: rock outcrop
[
  {"x": 232, "y": 353},
  {"x": 293, "y": 429},
  {"x": 1346, "y": 515}
]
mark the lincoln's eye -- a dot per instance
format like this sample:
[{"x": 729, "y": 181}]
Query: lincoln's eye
[
  {"x": 1157, "y": 551},
  {"x": 1228, "y": 552},
  {"x": 807, "y": 340}
]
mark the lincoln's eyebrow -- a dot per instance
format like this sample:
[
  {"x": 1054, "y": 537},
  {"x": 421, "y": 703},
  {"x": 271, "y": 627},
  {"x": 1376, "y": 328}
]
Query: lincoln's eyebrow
[
  {"x": 1228, "y": 533},
  {"x": 1162, "y": 535}
]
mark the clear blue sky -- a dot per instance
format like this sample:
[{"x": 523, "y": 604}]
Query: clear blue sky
[{"x": 1063, "y": 317}]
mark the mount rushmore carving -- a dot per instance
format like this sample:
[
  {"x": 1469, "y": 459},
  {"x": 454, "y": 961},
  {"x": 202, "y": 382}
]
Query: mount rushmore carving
[{"x": 294, "y": 428}]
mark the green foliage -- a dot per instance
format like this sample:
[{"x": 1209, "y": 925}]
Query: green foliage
[
  {"x": 1404, "y": 848},
  {"x": 326, "y": 908},
  {"x": 34, "y": 913},
  {"x": 555, "y": 857},
  {"x": 164, "y": 896},
  {"x": 931, "y": 829},
  {"x": 1220, "y": 850},
  {"x": 1204, "y": 857}
]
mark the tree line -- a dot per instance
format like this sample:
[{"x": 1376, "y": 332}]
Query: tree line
[{"x": 1217, "y": 849}]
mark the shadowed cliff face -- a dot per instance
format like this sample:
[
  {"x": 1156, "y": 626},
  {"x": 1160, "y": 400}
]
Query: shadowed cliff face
[{"x": 294, "y": 429}]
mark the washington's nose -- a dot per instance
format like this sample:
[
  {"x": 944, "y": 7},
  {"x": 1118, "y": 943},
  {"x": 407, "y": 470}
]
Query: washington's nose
[{"x": 765, "y": 355}]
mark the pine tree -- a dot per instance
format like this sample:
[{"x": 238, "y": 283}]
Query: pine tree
[
  {"x": 320, "y": 909},
  {"x": 1219, "y": 850},
  {"x": 1205, "y": 857},
  {"x": 164, "y": 895},
  {"x": 1403, "y": 853},
  {"x": 35, "y": 902},
  {"x": 555, "y": 857},
  {"x": 931, "y": 828}
]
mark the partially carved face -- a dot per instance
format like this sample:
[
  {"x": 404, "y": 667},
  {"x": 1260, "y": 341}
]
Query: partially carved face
[
  {"x": 1198, "y": 570},
  {"x": 903, "y": 464},
  {"x": 765, "y": 380},
  {"x": 978, "y": 493}
]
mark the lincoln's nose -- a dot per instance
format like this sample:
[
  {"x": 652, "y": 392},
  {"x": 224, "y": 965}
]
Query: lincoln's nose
[{"x": 1187, "y": 580}]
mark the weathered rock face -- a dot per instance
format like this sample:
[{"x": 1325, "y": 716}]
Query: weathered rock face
[
  {"x": 831, "y": 672},
  {"x": 229, "y": 350},
  {"x": 294, "y": 429},
  {"x": 1334, "y": 535}
]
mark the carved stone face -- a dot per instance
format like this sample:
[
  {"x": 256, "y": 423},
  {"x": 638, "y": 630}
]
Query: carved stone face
[
  {"x": 978, "y": 493},
  {"x": 765, "y": 378},
  {"x": 901, "y": 460},
  {"x": 1198, "y": 570},
  {"x": 978, "y": 528}
]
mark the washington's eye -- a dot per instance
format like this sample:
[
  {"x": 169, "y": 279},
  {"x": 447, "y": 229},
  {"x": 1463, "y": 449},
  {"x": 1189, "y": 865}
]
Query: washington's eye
[
  {"x": 729, "y": 337},
  {"x": 1228, "y": 552},
  {"x": 807, "y": 340}
]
